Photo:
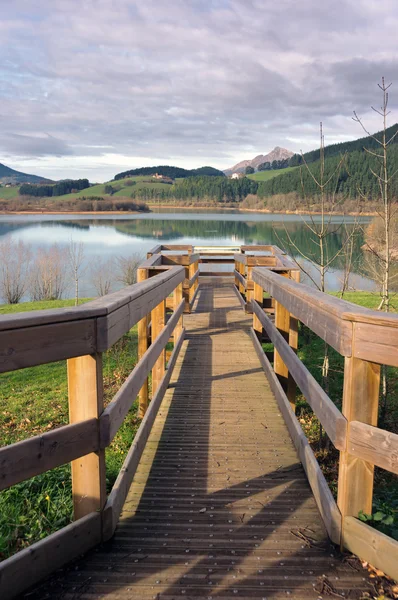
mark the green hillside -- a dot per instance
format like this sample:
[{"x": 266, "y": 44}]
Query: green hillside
[
  {"x": 266, "y": 175},
  {"x": 12, "y": 176},
  {"x": 339, "y": 149}
]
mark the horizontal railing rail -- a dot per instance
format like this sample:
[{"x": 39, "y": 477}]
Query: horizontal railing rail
[
  {"x": 80, "y": 335},
  {"x": 366, "y": 339}
]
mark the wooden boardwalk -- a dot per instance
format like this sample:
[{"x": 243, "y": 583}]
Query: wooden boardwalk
[{"x": 220, "y": 506}]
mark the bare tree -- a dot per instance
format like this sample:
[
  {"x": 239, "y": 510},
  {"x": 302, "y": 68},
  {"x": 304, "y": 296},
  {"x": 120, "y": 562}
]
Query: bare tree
[
  {"x": 321, "y": 229},
  {"x": 102, "y": 275},
  {"x": 76, "y": 264},
  {"x": 127, "y": 268},
  {"x": 15, "y": 260},
  {"x": 48, "y": 279},
  {"x": 384, "y": 175},
  {"x": 382, "y": 249}
]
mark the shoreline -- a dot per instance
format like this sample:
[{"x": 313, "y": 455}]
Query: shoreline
[{"x": 192, "y": 208}]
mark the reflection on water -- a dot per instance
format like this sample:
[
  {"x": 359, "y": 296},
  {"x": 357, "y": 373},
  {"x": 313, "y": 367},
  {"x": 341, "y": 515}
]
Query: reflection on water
[{"x": 105, "y": 236}]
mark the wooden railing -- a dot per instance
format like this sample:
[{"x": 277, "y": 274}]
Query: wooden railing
[
  {"x": 271, "y": 257},
  {"x": 81, "y": 335},
  {"x": 167, "y": 255},
  {"x": 366, "y": 339}
]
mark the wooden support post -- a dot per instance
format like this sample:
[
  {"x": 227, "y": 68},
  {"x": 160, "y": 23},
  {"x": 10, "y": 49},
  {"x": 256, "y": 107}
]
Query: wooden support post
[
  {"x": 236, "y": 279},
  {"x": 360, "y": 403},
  {"x": 85, "y": 389},
  {"x": 186, "y": 290},
  {"x": 192, "y": 271},
  {"x": 177, "y": 297},
  {"x": 293, "y": 343},
  {"x": 142, "y": 275},
  {"x": 241, "y": 287},
  {"x": 249, "y": 293},
  {"x": 197, "y": 279},
  {"x": 282, "y": 323},
  {"x": 258, "y": 294},
  {"x": 158, "y": 318}
]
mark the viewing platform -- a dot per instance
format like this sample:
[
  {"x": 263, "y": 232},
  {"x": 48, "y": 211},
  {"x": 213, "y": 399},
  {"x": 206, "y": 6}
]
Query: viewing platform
[{"x": 220, "y": 495}]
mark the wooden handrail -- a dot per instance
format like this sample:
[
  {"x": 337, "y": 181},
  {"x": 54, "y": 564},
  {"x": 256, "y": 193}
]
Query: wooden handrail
[
  {"x": 80, "y": 335},
  {"x": 348, "y": 328},
  {"x": 30, "y": 339},
  {"x": 326, "y": 411},
  {"x": 36, "y": 455},
  {"x": 366, "y": 339}
]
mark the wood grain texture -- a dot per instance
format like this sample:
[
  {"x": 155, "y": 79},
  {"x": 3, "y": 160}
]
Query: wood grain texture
[
  {"x": 219, "y": 499},
  {"x": 360, "y": 403},
  {"x": 333, "y": 421},
  {"x": 326, "y": 504},
  {"x": 115, "y": 413},
  {"x": 86, "y": 401},
  {"x": 373, "y": 445},
  {"x": 372, "y": 546},
  {"x": 142, "y": 275},
  {"x": 122, "y": 484},
  {"x": 39, "y": 560},
  {"x": 41, "y": 453}
]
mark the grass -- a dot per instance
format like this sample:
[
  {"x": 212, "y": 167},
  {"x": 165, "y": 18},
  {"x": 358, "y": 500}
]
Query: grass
[
  {"x": 266, "y": 175},
  {"x": 34, "y": 400},
  {"x": 11, "y": 192}
]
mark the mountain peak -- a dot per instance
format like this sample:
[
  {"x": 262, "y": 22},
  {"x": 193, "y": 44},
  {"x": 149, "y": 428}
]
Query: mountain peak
[{"x": 277, "y": 153}]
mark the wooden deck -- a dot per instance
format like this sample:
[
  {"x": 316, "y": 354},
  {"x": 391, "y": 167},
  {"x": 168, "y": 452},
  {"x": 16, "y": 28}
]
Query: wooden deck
[{"x": 220, "y": 506}]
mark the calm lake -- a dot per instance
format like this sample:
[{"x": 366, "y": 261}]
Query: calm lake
[{"x": 120, "y": 235}]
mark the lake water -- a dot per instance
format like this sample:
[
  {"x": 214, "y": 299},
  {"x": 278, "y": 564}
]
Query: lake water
[{"x": 120, "y": 235}]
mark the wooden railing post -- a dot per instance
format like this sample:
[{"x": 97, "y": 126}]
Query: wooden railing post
[
  {"x": 249, "y": 291},
  {"x": 287, "y": 326},
  {"x": 177, "y": 297},
  {"x": 242, "y": 272},
  {"x": 158, "y": 319},
  {"x": 85, "y": 391},
  {"x": 192, "y": 271},
  {"x": 360, "y": 403},
  {"x": 142, "y": 275},
  {"x": 197, "y": 279},
  {"x": 258, "y": 294}
]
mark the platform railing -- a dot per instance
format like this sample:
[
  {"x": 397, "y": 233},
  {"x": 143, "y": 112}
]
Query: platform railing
[
  {"x": 166, "y": 255},
  {"x": 269, "y": 256},
  {"x": 80, "y": 335},
  {"x": 366, "y": 339}
]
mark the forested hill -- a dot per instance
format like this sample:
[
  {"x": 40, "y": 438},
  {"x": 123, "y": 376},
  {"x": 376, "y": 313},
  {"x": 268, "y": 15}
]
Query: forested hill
[
  {"x": 343, "y": 147},
  {"x": 8, "y": 175},
  {"x": 169, "y": 171},
  {"x": 352, "y": 179}
]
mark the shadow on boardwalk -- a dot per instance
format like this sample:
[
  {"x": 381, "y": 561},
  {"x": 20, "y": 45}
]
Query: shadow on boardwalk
[{"x": 219, "y": 506}]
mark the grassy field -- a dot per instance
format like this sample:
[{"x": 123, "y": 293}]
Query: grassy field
[
  {"x": 266, "y": 175},
  {"x": 131, "y": 183},
  {"x": 126, "y": 187},
  {"x": 35, "y": 400},
  {"x": 7, "y": 193}
]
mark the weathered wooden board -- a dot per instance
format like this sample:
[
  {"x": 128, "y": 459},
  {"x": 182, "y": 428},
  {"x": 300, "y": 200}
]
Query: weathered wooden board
[
  {"x": 39, "y": 560},
  {"x": 373, "y": 445},
  {"x": 329, "y": 415},
  {"x": 114, "y": 414},
  {"x": 371, "y": 545},
  {"x": 41, "y": 453}
]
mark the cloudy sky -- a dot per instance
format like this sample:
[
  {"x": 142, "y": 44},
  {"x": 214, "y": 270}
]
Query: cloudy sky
[{"x": 89, "y": 88}]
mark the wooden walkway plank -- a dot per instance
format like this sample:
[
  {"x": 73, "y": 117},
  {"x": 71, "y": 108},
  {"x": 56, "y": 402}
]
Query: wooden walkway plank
[{"x": 220, "y": 506}]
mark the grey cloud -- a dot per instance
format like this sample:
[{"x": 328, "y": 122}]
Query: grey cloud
[
  {"x": 26, "y": 145},
  {"x": 216, "y": 78}
]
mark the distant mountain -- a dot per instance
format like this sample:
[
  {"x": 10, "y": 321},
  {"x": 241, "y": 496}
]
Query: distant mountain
[
  {"x": 276, "y": 154},
  {"x": 8, "y": 175}
]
